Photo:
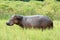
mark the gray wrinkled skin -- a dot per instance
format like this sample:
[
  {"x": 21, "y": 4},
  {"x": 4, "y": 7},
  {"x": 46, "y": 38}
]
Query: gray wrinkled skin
[{"x": 34, "y": 21}]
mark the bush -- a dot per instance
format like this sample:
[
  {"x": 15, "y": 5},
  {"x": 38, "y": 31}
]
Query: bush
[{"x": 8, "y": 8}]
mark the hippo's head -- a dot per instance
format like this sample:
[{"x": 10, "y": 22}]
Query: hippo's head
[{"x": 15, "y": 19}]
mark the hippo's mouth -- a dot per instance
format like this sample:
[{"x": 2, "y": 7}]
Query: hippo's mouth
[{"x": 9, "y": 24}]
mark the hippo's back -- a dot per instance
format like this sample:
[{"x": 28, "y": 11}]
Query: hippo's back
[{"x": 36, "y": 20}]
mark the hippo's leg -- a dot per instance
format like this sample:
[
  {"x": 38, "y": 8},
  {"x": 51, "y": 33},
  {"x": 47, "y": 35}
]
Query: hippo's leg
[
  {"x": 43, "y": 27},
  {"x": 50, "y": 26}
]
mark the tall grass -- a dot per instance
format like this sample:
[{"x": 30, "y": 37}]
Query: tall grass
[
  {"x": 17, "y": 33},
  {"x": 48, "y": 8}
]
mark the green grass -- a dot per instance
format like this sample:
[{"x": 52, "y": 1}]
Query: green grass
[
  {"x": 17, "y": 33},
  {"x": 49, "y": 8}
]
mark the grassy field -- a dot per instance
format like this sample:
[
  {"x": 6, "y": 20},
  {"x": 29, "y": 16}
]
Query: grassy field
[
  {"x": 17, "y": 33},
  {"x": 49, "y": 8}
]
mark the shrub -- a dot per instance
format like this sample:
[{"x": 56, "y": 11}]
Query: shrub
[{"x": 8, "y": 8}]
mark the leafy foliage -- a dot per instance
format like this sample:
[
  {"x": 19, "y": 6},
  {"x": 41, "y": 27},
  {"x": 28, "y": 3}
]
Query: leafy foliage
[{"x": 49, "y": 8}]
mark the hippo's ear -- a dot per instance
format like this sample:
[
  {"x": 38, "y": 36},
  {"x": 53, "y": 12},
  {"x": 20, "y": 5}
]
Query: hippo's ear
[{"x": 19, "y": 17}]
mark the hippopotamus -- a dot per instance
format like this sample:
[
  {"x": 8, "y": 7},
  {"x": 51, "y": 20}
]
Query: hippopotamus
[{"x": 33, "y": 21}]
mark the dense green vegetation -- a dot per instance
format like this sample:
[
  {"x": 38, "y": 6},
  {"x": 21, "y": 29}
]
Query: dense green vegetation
[
  {"x": 49, "y": 8},
  {"x": 22, "y": 0}
]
